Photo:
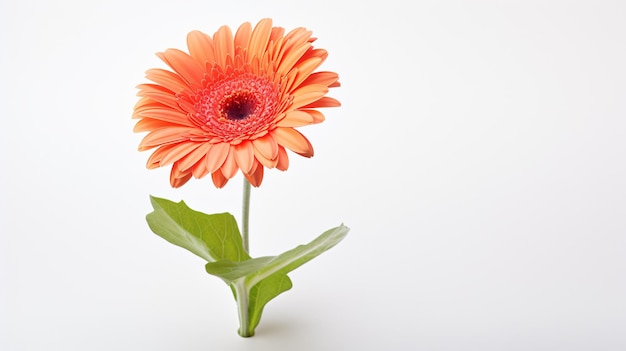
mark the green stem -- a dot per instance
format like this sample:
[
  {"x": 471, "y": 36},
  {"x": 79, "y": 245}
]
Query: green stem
[
  {"x": 243, "y": 300},
  {"x": 245, "y": 215},
  {"x": 242, "y": 294}
]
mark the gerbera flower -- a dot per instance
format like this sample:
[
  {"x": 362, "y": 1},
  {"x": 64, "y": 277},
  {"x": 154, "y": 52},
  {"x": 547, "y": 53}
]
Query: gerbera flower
[{"x": 233, "y": 103}]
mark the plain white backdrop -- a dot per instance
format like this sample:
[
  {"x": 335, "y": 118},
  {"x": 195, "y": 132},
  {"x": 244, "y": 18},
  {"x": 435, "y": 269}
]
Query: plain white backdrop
[{"x": 478, "y": 158}]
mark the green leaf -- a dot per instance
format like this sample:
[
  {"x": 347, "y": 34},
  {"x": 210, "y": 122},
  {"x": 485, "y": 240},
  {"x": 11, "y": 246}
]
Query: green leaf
[
  {"x": 213, "y": 237},
  {"x": 263, "y": 292},
  {"x": 230, "y": 271},
  {"x": 257, "y": 269}
]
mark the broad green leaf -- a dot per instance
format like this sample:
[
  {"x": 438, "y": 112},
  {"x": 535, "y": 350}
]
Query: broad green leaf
[
  {"x": 263, "y": 292},
  {"x": 258, "y": 297},
  {"x": 257, "y": 269},
  {"x": 230, "y": 271},
  {"x": 213, "y": 237}
]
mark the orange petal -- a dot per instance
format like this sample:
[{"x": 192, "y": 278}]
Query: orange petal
[
  {"x": 154, "y": 88},
  {"x": 266, "y": 162},
  {"x": 164, "y": 114},
  {"x": 178, "y": 178},
  {"x": 167, "y": 79},
  {"x": 296, "y": 119},
  {"x": 325, "y": 78},
  {"x": 256, "y": 177},
  {"x": 242, "y": 36},
  {"x": 318, "y": 117},
  {"x": 229, "y": 168},
  {"x": 216, "y": 156},
  {"x": 155, "y": 159},
  {"x": 306, "y": 98},
  {"x": 323, "y": 102},
  {"x": 185, "y": 104},
  {"x": 244, "y": 155},
  {"x": 290, "y": 58},
  {"x": 201, "y": 47},
  {"x": 305, "y": 69},
  {"x": 177, "y": 152},
  {"x": 319, "y": 53},
  {"x": 188, "y": 68},
  {"x": 162, "y": 136},
  {"x": 277, "y": 33},
  {"x": 286, "y": 81},
  {"x": 153, "y": 99},
  {"x": 293, "y": 140},
  {"x": 296, "y": 37},
  {"x": 308, "y": 89},
  {"x": 218, "y": 179},
  {"x": 266, "y": 146},
  {"x": 283, "y": 159},
  {"x": 260, "y": 37},
  {"x": 194, "y": 156},
  {"x": 199, "y": 170},
  {"x": 148, "y": 124},
  {"x": 224, "y": 46}
]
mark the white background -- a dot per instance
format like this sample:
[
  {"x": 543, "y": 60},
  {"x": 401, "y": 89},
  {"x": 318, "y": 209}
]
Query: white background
[{"x": 478, "y": 158}]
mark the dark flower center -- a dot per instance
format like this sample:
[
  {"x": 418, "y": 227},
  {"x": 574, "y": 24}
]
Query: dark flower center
[{"x": 238, "y": 106}]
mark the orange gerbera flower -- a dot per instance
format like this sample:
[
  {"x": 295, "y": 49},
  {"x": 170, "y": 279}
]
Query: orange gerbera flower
[{"x": 233, "y": 102}]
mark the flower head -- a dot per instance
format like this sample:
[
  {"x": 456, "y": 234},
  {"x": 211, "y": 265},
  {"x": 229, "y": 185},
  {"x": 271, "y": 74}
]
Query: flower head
[{"x": 233, "y": 103}]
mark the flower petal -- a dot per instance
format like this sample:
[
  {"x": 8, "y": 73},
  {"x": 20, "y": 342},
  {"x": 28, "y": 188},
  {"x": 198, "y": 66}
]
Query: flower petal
[
  {"x": 289, "y": 59},
  {"x": 244, "y": 155},
  {"x": 148, "y": 124},
  {"x": 318, "y": 117},
  {"x": 283, "y": 159},
  {"x": 266, "y": 146},
  {"x": 153, "y": 99},
  {"x": 194, "y": 156},
  {"x": 201, "y": 47},
  {"x": 256, "y": 176},
  {"x": 218, "y": 179},
  {"x": 224, "y": 46},
  {"x": 164, "y": 114},
  {"x": 155, "y": 88},
  {"x": 155, "y": 159},
  {"x": 216, "y": 156},
  {"x": 167, "y": 79},
  {"x": 177, "y": 152},
  {"x": 326, "y": 101},
  {"x": 310, "y": 53},
  {"x": 199, "y": 170},
  {"x": 229, "y": 168},
  {"x": 296, "y": 119},
  {"x": 183, "y": 64},
  {"x": 260, "y": 37},
  {"x": 178, "y": 178},
  {"x": 293, "y": 140},
  {"x": 162, "y": 136},
  {"x": 242, "y": 36},
  {"x": 326, "y": 78},
  {"x": 308, "y": 94},
  {"x": 269, "y": 163},
  {"x": 304, "y": 70}
]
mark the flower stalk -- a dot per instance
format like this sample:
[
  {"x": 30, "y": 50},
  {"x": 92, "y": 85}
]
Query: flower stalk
[
  {"x": 243, "y": 301},
  {"x": 245, "y": 215},
  {"x": 241, "y": 292}
]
